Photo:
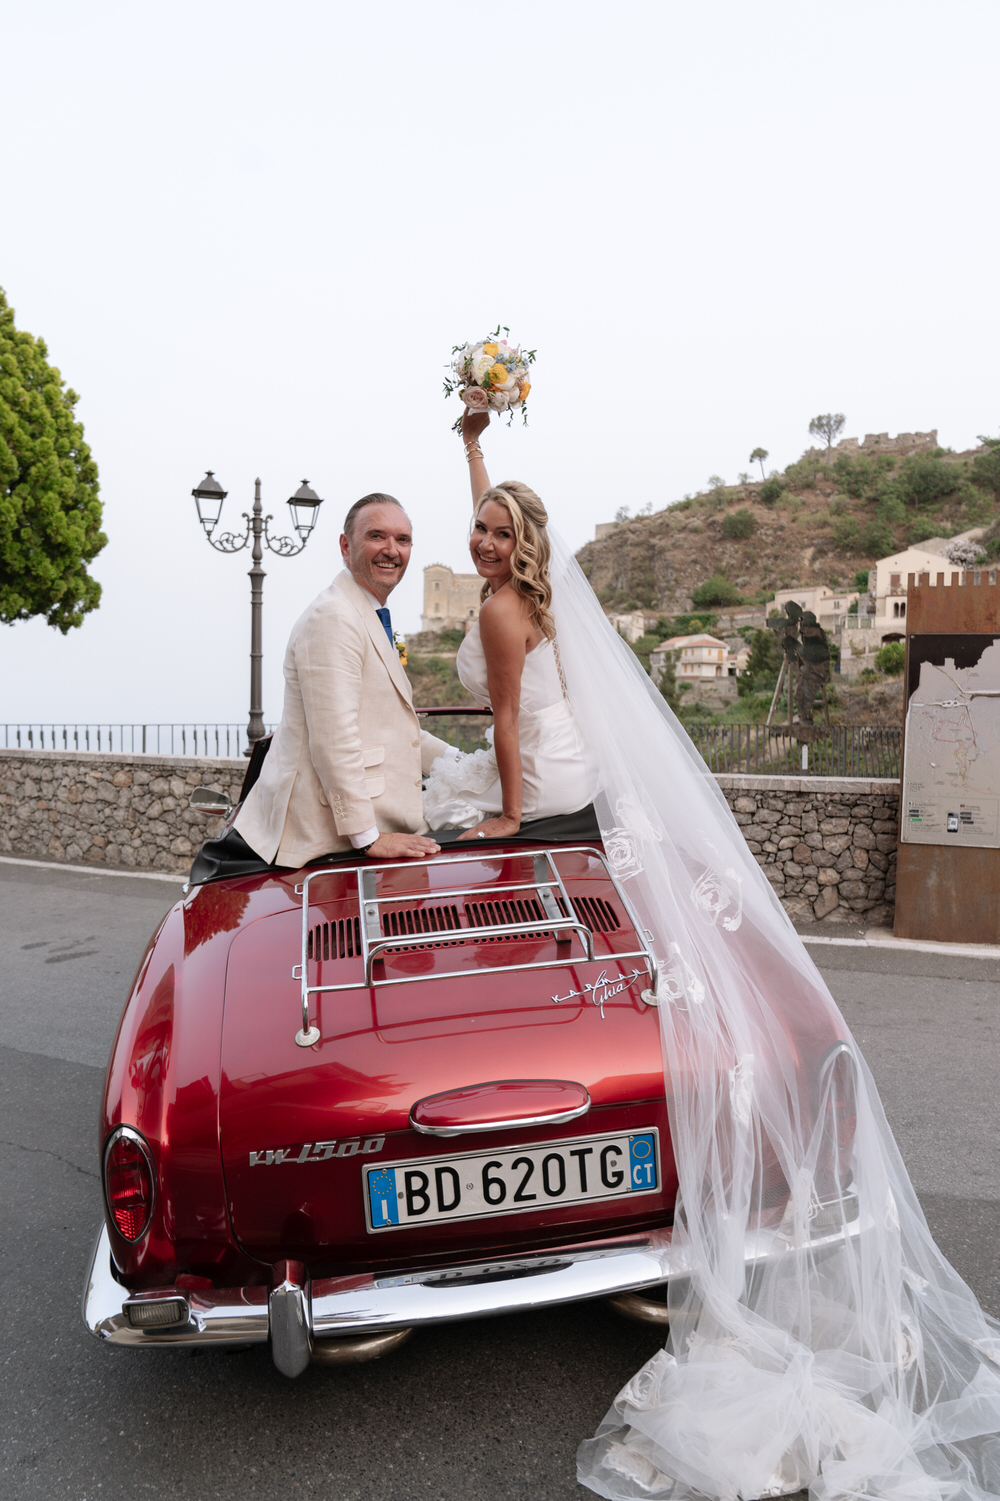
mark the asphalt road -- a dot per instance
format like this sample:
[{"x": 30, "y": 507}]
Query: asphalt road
[{"x": 487, "y": 1411}]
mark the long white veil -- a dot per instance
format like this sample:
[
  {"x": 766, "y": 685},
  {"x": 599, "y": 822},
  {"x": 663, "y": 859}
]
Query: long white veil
[{"x": 855, "y": 1360}]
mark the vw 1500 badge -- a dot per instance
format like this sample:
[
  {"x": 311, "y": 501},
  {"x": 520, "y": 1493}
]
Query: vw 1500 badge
[{"x": 317, "y": 1151}]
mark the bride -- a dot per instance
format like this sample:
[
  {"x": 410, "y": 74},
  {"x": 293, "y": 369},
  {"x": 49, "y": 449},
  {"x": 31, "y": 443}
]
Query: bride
[
  {"x": 854, "y": 1361},
  {"x": 537, "y": 766}
]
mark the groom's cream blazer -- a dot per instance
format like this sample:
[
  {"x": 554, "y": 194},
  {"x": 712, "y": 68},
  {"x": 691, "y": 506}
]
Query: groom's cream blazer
[{"x": 349, "y": 753}]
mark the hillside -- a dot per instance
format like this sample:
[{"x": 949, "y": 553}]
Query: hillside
[{"x": 817, "y": 523}]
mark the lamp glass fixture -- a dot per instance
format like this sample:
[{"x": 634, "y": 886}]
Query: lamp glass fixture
[
  {"x": 208, "y": 497},
  {"x": 304, "y": 505}
]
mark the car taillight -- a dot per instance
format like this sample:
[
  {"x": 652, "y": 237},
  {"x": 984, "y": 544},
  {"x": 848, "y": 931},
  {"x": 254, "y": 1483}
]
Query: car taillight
[{"x": 129, "y": 1183}]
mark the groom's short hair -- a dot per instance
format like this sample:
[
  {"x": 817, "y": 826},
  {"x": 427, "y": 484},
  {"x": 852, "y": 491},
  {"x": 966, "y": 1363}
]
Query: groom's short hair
[{"x": 377, "y": 498}]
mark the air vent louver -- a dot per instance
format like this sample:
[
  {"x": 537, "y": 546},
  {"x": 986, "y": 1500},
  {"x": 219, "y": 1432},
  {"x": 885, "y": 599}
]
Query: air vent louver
[
  {"x": 335, "y": 940},
  {"x": 419, "y": 920}
]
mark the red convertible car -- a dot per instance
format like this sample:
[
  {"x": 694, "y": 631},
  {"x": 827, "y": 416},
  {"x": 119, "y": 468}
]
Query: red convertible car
[{"x": 348, "y": 1100}]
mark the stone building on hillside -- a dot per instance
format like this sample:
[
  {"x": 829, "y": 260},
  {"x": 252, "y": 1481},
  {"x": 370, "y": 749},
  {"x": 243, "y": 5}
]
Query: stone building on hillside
[
  {"x": 830, "y": 606},
  {"x": 901, "y": 444},
  {"x": 451, "y": 600},
  {"x": 634, "y": 624}
]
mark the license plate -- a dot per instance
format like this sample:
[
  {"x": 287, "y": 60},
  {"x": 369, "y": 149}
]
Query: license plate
[{"x": 472, "y": 1185}]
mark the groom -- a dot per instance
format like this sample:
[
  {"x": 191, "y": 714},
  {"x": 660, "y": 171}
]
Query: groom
[{"x": 346, "y": 764}]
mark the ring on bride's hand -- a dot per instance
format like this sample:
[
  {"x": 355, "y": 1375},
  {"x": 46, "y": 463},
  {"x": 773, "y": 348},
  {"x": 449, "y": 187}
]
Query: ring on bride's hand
[{"x": 480, "y": 834}]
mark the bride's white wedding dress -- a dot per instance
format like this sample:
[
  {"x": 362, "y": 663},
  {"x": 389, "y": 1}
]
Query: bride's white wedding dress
[
  {"x": 859, "y": 1366},
  {"x": 558, "y": 777}
]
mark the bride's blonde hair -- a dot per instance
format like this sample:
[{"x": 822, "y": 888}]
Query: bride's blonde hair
[{"x": 530, "y": 559}]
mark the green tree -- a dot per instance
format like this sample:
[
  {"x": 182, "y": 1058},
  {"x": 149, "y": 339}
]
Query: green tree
[
  {"x": 865, "y": 476},
  {"x": 668, "y": 680},
  {"x": 50, "y": 514},
  {"x": 716, "y": 591},
  {"x": 891, "y": 658},
  {"x": 986, "y": 466},
  {"x": 763, "y": 664},
  {"x": 757, "y": 457},
  {"x": 925, "y": 479},
  {"x": 828, "y": 425}
]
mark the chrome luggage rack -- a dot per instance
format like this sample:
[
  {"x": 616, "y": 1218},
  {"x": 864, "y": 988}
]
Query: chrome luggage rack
[{"x": 374, "y": 944}]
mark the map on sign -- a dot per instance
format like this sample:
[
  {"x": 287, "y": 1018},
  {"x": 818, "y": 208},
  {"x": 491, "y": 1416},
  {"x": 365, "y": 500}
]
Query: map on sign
[{"x": 951, "y": 765}]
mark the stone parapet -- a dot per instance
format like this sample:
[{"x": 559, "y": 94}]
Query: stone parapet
[
  {"x": 124, "y": 811},
  {"x": 826, "y": 844}
]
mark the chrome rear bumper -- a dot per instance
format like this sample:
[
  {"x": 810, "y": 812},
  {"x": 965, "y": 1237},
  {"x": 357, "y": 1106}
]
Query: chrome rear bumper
[{"x": 298, "y": 1312}]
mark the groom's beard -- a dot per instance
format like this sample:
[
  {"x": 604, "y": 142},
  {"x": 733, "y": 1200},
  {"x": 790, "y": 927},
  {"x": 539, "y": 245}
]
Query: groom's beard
[{"x": 379, "y": 574}]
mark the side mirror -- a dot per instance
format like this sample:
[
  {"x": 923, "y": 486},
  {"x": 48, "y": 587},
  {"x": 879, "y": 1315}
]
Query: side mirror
[{"x": 208, "y": 800}]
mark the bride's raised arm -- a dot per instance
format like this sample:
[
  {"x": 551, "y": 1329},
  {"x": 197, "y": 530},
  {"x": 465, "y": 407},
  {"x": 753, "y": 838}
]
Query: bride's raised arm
[{"x": 473, "y": 424}]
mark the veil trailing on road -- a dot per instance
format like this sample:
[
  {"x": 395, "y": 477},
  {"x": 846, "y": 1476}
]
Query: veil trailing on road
[{"x": 853, "y": 1360}]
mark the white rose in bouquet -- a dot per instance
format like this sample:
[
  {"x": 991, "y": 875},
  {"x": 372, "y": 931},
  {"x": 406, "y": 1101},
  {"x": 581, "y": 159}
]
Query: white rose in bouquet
[{"x": 479, "y": 364}]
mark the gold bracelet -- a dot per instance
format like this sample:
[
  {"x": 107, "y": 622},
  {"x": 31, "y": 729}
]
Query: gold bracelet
[{"x": 472, "y": 451}]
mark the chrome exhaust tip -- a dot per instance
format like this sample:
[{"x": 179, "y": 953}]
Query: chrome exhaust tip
[
  {"x": 641, "y": 1310},
  {"x": 354, "y": 1349}
]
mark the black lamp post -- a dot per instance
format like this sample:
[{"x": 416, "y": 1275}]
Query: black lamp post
[{"x": 303, "y": 505}]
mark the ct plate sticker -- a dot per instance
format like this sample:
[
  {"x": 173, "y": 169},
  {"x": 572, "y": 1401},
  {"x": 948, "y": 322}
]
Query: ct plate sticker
[{"x": 472, "y": 1185}]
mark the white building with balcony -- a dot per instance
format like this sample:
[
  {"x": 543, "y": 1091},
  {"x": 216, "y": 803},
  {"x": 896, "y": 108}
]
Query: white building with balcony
[{"x": 698, "y": 657}]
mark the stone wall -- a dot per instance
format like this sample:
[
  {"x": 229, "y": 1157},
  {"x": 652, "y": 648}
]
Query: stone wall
[
  {"x": 826, "y": 844},
  {"x": 85, "y": 808},
  {"x": 902, "y": 443}
]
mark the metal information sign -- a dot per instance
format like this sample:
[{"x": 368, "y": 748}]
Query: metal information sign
[{"x": 951, "y": 756}]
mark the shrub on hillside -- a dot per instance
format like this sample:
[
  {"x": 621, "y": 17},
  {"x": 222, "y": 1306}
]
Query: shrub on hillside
[
  {"x": 864, "y": 477},
  {"x": 986, "y": 467},
  {"x": 739, "y": 524},
  {"x": 689, "y": 625},
  {"x": 891, "y": 658},
  {"x": 924, "y": 479},
  {"x": 877, "y": 539},
  {"x": 806, "y": 471},
  {"x": 773, "y": 489},
  {"x": 922, "y": 530},
  {"x": 716, "y": 591}
]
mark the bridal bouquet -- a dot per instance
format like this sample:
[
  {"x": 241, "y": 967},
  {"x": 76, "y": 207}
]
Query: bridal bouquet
[{"x": 491, "y": 376}]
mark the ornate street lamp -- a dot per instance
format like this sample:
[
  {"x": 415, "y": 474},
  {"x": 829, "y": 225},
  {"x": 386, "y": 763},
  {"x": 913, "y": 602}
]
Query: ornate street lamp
[{"x": 303, "y": 506}]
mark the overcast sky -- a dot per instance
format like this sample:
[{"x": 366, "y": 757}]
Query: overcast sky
[{"x": 250, "y": 235}]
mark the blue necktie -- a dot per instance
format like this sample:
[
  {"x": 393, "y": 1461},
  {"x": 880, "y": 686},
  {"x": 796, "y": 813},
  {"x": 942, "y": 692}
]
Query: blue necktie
[{"x": 386, "y": 620}]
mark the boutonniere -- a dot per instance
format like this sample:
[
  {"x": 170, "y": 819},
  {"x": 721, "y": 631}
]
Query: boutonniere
[{"x": 400, "y": 646}]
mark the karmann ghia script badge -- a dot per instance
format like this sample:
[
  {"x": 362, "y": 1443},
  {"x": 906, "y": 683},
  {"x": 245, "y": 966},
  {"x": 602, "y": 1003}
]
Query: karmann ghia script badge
[
  {"x": 603, "y": 989},
  {"x": 317, "y": 1151}
]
